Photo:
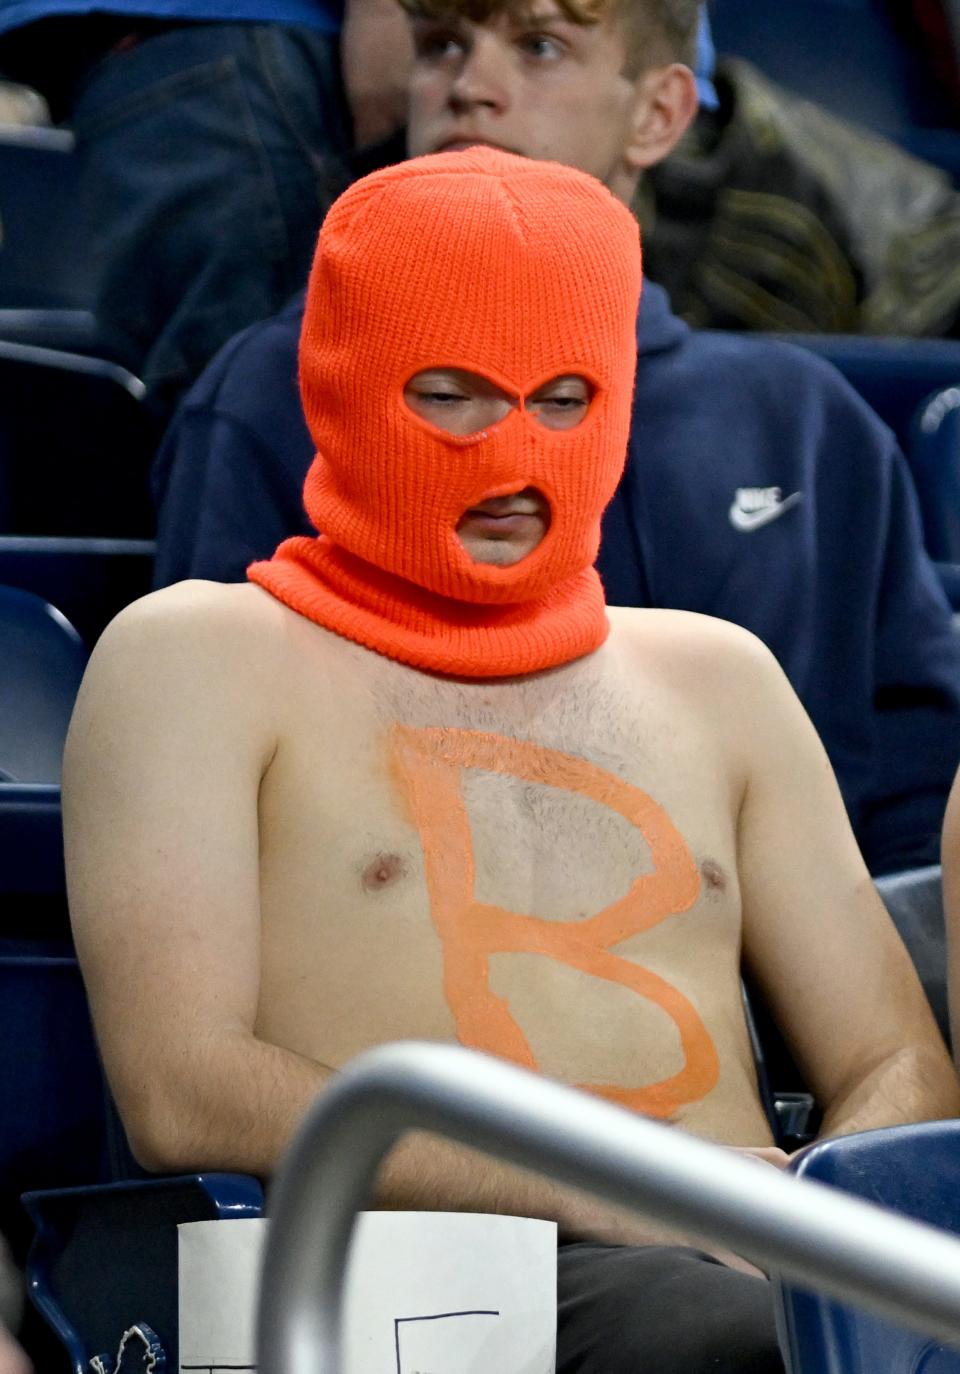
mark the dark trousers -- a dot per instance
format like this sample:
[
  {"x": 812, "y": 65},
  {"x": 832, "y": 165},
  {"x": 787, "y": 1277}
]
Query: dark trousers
[
  {"x": 210, "y": 153},
  {"x": 660, "y": 1310}
]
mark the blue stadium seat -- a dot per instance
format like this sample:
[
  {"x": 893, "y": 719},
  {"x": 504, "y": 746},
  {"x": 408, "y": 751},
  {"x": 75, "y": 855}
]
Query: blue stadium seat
[
  {"x": 40, "y": 670},
  {"x": 914, "y": 1170},
  {"x": 843, "y": 54},
  {"x": 104, "y": 1259},
  {"x": 914, "y": 900},
  {"x": 894, "y": 376},
  {"x": 914, "y": 386},
  {"x": 31, "y": 848},
  {"x": 76, "y": 441},
  {"x": 46, "y": 282},
  {"x": 89, "y": 580},
  {"x": 935, "y": 460},
  {"x": 52, "y": 1126}
]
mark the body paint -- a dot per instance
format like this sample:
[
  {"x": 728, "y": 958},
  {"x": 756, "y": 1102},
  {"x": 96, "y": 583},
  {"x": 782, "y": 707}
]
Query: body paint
[{"x": 428, "y": 764}]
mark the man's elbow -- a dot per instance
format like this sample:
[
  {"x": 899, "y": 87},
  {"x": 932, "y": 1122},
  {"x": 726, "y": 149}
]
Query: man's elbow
[
  {"x": 933, "y": 1072},
  {"x": 164, "y": 1136},
  {"x": 911, "y": 1084}
]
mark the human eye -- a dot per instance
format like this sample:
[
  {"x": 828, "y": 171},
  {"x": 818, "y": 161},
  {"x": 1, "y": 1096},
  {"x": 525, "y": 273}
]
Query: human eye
[
  {"x": 562, "y": 404},
  {"x": 441, "y": 396},
  {"x": 541, "y": 46},
  {"x": 436, "y": 42}
]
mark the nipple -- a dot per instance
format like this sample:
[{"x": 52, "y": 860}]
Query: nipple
[
  {"x": 713, "y": 875},
  {"x": 382, "y": 871}
]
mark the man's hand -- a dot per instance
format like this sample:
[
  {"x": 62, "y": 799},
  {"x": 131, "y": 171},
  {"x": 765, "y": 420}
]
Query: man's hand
[{"x": 766, "y": 1154}]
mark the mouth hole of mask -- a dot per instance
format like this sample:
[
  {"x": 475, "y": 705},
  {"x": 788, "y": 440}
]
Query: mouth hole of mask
[{"x": 466, "y": 403}]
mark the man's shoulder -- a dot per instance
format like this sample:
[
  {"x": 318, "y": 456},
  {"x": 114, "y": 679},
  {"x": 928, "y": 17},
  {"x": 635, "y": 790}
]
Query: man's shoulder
[
  {"x": 687, "y": 646},
  {"x": 194, "y": 629},
  {"x": 721, "y": 673},
  {"x": 194, "y": 604}
]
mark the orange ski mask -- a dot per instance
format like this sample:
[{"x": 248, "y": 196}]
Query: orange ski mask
[{"x": 522, "y": 272}]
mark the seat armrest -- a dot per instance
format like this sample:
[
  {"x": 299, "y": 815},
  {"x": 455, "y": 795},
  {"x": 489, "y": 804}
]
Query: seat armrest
[{"x": 104, "y": 1258}]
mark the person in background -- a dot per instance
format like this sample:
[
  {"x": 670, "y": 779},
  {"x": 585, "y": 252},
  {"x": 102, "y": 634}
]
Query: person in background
[
  {"x": 774, "y": 214},
  {"x": 212, "y": 136},
  {"x": 753, "y": 456}
]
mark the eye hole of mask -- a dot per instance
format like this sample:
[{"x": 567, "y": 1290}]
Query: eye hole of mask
[{"x": 464, "y": 403}]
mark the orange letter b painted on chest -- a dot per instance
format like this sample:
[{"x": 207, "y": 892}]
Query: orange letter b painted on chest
[{"x": 428, "y": 764}]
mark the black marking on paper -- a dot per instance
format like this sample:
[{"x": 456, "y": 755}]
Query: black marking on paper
[{"x": 433, "y": 1317}]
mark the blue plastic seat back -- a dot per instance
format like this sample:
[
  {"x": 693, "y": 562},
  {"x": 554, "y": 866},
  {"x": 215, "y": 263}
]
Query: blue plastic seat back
[
  {"x": 31, "y": 852},
  {"x": 914, "y": 1170},
  {"x": 76, "y": 439},
  {"x": 105, "y": 1259},
  {"x": 894, "y": 376},
  {"x": 89, "y": 580},
  {"x": 935, "y": 461},
  {"x": 42, "y": 262},
  {"x": 914, "y": 386},
  {"x": 40, "y": 671},
  {"x": 52, "y": 1119},
  {"x": 914, "y": 899},
  {"x": 842, "y": 54}
]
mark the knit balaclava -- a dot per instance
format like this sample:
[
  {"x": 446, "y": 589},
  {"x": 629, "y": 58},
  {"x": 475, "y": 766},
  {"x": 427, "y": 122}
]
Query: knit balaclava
[{"x": 522, "y": 272}]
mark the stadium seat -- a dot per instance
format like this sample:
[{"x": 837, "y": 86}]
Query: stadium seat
[
  {"x": 75, "y": 446},
  {"x": 52, "y": 1126},
  {"x": 90, "y": 580},
  {"x": 914, "y": 1170},
  {"x": 914, "y": 900},
  {"x": 31, "y": 846},
  {"x": 104, "y": 1259},
  {"x": 914, "y": 386},
  {"x": 894, "y": 376},
  {"x": 46, "y": 285},
  {"x": 40, "y": 670},
  {"x": 935, "y": 461}
]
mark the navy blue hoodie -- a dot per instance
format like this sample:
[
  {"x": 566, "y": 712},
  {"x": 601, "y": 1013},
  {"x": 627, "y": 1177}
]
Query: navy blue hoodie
[{"x": 759, "y": 488}]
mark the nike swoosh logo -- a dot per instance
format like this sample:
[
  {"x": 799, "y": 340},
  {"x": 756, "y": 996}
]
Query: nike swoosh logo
[{"x": 746, "y": 521}]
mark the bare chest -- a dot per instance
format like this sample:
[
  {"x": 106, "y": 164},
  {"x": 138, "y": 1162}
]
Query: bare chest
[
  {"x": 548, "y": 797},
  {"x": 543, "y": 870}
]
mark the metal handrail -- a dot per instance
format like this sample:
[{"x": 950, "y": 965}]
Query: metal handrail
[{"x": 812, "y": 1234}]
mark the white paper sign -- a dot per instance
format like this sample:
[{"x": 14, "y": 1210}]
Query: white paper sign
[{"x": 427, "y": 1293}]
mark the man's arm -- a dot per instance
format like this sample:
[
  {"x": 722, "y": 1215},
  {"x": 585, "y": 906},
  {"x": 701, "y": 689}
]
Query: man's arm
[
  {"x": 816, "y": 935},
  {"x": 170, "y": 738},
  {"x": 173, "y": 733}
]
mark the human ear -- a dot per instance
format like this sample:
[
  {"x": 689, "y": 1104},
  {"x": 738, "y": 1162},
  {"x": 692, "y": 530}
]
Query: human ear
[{"x": 665, "y": 104}]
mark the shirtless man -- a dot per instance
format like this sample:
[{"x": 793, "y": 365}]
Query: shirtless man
[{"x": 416, "y": 781}]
